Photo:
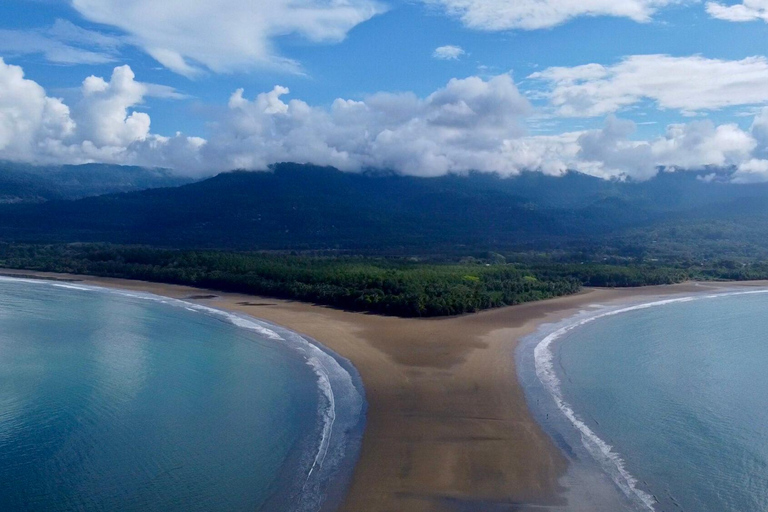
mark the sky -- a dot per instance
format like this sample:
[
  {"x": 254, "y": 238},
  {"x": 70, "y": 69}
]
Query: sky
[{"x": 612, "y": 88}]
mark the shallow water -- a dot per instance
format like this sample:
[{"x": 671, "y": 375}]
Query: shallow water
[
  {"x": 117, "y": 402},
  {"x": 679, "y": 395}
]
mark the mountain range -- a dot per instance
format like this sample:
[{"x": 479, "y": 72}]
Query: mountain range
[
  {"x": 25, "y": 183},
  {"x": 305, "y": 207}
]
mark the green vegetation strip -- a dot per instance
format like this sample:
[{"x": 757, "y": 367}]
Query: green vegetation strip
[{"x": 401, "y": 287}]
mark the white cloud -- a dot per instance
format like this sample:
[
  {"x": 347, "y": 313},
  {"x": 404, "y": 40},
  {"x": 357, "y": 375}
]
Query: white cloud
[
  {"x": 684, "y": 83},
  {"x": 226, "y": 35},
  {"x": 470, "y": 124},
  {"x": 749, "y": 10},
  {"x": 62, "y": 43},
  {"x": 448, "y": 52},
  {"x": 701, "y": 143},
  {"x": 551, "y": 154},
  {"x": 752, "y": 171},
  {"x": 102, "y": 113},
  {"x": 102, "y": 126},
  {"x": 537, "y": 14},
  {"x": 759, "y": 131},
  {"x": 461, "y": 126},
  {"x": 611, "y": 153},
  {"x": 67, "y": 32},
  {"x": 29, "y": 120}
]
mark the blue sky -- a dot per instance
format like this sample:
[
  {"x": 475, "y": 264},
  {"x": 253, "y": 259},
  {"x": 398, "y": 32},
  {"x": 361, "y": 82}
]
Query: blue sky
[{"x": 680, "y": 84}]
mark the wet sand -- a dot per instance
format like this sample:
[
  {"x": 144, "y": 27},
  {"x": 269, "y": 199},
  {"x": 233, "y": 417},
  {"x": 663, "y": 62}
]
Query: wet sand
[{"x": 448, "y": 427}]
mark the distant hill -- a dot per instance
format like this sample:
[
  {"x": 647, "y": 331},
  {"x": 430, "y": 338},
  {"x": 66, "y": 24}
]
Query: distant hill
[
  {"x": 301, "y": 207},
  {"x": 24, "y": 183}
]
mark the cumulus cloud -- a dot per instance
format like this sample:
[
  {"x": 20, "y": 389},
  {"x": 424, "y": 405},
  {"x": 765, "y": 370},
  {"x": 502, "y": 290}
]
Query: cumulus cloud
[
  {"x": 759, "y": 131},
  {"x": 469, "y": 124},
  {"x": 682, "y": 83},
  {"x": 226, "y": 35},
  {"x": 495, "y": 15},
  {"x": 752, "y": 171},
  {"x": 101, "y": 126},
  {"x": 756, "y": 169},
  {"x": 102, "y": 113},
  {"x": 459, "y": 127},
  {"x": 29, "y": 120},
  {"x": 448, "y": 52},
  {"x": 702, "y": 143},
  {"x": 610, "y": 152},
  {"x": 749, "y": 10}
]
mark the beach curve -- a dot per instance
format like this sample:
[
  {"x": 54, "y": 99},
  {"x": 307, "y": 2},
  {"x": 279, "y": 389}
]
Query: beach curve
[
  {"x": 342, "y": 396},
  {"x": 541, "y": 342},
  {"x": 448, "y": 423}
]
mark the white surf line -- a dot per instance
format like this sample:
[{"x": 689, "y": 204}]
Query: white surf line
[
  {"x": 601, "y": 451},
  {"x": 329, "y": 418},
  {"x": 253, "y": 324},
  {"x": 314, "y": 360}
]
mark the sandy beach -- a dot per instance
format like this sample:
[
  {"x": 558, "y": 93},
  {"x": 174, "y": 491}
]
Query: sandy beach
[{"x": 448, "y": 426}]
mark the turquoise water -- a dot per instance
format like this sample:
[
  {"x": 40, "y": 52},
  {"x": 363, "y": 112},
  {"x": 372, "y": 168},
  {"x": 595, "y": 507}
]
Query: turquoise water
[
  {"x": 120, "y": 402},
  {"x": 677, "y": 397}
]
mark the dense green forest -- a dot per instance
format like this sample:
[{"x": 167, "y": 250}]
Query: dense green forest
[
  {"x": 30, "y": 184},
  {"x": 308, "y": 208},
  {"x": 380, "y": 242},
  {"x": 402, "y": 286}
]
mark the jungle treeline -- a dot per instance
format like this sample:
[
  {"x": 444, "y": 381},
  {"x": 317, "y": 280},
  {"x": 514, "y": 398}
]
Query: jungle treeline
[{"x": 402, "y": 287}]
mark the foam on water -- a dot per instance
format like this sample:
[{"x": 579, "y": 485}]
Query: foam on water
[
  {"x": 332, "y": 379},
  {"x": 72, "y": 287},
  {"x": 602, "y": 452}
]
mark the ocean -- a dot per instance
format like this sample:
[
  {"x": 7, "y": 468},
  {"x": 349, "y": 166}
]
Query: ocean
[
  {"x": 125, "y": 401},
  {"x": 660, "y": 406}
]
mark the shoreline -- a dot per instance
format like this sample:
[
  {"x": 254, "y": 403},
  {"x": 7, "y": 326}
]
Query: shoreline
[
  {"x": 448, "y": 425},
  {"x": 583, "y": 447},
  {"x": 321, "y": 464}
]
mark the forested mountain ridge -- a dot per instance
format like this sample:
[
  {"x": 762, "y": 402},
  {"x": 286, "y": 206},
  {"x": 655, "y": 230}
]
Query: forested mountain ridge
[
  {"x": 24, "y": 183},
  {"x": 302, "y": 207}
]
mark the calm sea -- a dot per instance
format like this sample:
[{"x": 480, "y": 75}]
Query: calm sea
[
  {"x": 127, "y": 402},
  {"x": 669, "y": 401}
]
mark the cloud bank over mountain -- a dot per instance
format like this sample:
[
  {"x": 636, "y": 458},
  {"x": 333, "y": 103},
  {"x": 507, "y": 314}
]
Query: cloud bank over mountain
[{"x": 469, "y": 124}]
